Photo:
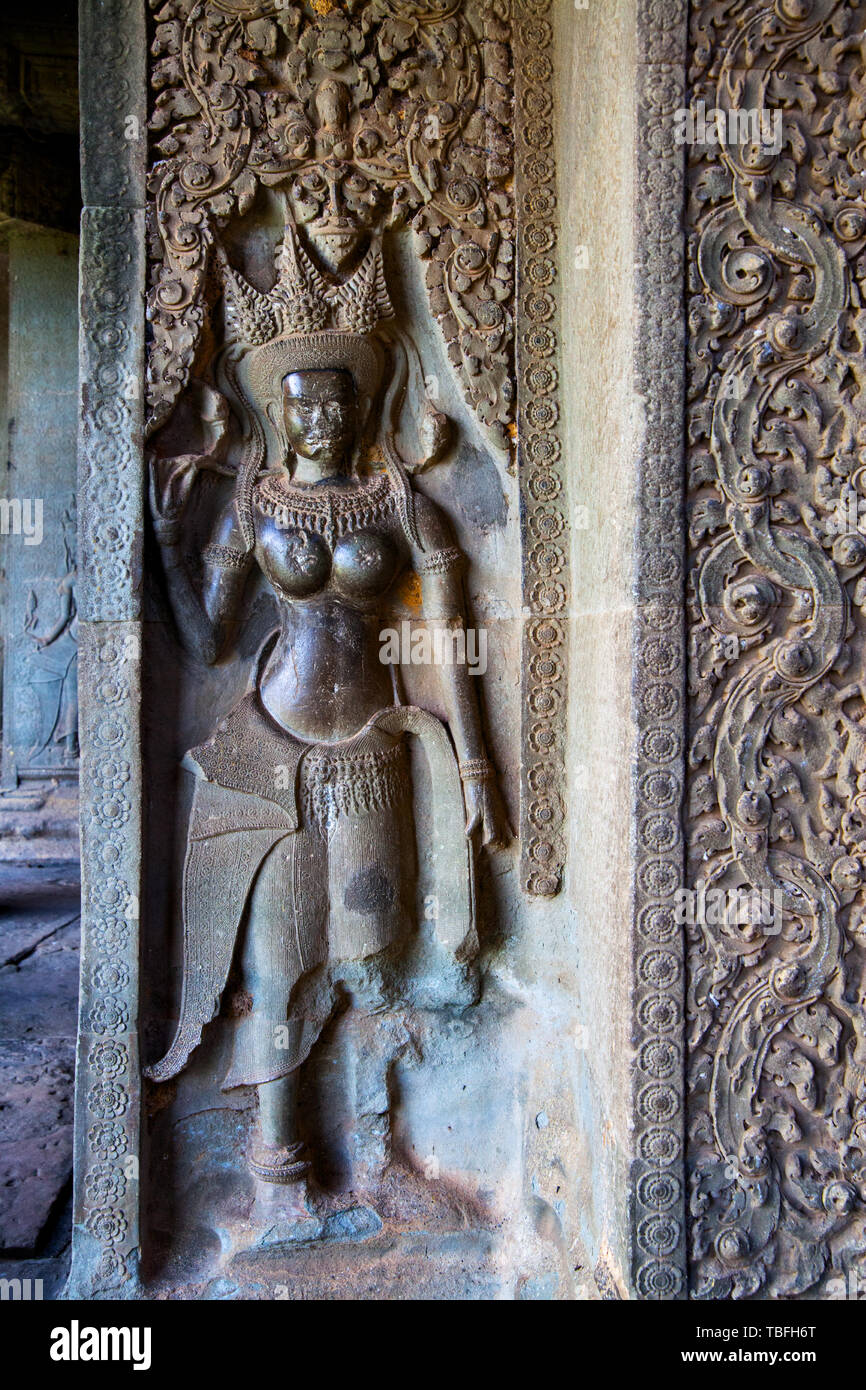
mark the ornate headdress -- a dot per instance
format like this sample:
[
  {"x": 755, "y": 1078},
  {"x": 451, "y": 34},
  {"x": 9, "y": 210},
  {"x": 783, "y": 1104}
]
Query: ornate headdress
[
  {"x": 307, "y": 322},
  {"x": 266, "y": 367},
  {"x": 303, "y": 300}
]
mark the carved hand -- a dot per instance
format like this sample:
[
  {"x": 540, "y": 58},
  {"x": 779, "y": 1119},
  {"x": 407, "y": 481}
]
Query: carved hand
[
  {"x": 485, "y": 812},
  {"x": 171, "y": 481}
]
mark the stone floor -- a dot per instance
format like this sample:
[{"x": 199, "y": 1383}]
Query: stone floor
[{"x": 39, "y": 940}]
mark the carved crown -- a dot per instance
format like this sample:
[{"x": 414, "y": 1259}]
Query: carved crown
[{"x": 303, "y": 300}]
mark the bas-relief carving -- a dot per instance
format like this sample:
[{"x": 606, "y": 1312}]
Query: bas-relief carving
[
  {"x": 777, "y": 425},
  {"x": 277, "y": 462},
  {"x": 656, "y": 1188},
  {"x": 41, "y": 739},
  {"x": 541, "y": 467},
  {"x": 106, "y": 1235},
  {"x": 53, "y": 663},
  {"x": 366, "y": 117}
]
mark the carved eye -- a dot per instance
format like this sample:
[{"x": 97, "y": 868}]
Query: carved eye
[{"x": 356, "y": 183}]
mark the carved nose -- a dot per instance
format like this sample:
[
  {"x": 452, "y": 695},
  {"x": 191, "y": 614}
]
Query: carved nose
[{"x": 335, "y": 196}]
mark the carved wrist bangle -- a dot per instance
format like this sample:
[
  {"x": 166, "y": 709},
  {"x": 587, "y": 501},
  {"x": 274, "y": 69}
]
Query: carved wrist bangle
[{"x": 475, "y": 770}]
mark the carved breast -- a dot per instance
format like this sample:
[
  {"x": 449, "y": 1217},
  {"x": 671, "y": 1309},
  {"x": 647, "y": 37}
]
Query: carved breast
[
  {"x": 364, "y": 564},
  {"x": 300, "y": 563}
]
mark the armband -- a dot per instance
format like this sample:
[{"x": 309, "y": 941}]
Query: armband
[
  {"x": 440, "y": 561},
  {"x": 475, "y": 770},
  {"x": 224, "y": 557}
]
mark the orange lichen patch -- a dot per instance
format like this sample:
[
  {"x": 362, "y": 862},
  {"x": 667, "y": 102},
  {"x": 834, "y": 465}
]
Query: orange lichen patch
[
  {"x": 370, "y": 457},
  {"x": 409, "y": 590},
  {"x": 323, "y": 7},
  {"x": 512, "y": 429}
]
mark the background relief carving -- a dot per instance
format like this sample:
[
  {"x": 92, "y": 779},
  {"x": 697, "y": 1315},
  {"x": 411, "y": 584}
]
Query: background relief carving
[
  {"x": 415, "y": 127},
  {"x": 777, "y": 428}
]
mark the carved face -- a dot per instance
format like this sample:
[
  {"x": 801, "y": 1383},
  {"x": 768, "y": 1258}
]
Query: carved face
[
  {"x": 320, "y": 411},
  {"x": 336, "y": 206},
  {"x": 334, "y": 203}
]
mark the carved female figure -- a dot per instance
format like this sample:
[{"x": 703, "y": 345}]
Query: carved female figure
[
  {"x": 55, "y": 671},
  {"x": 301, "y": 849}
]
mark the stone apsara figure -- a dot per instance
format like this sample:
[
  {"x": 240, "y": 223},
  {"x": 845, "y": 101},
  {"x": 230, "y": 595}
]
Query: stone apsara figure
[
  {"x": 301, "y": 847},
  {"x": 54, "y": 671}
]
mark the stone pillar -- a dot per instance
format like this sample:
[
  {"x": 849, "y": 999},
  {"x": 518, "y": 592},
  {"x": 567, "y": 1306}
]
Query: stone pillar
[
  {"x": 113, "y": 55},
  {"x": 620, "y": 78}
]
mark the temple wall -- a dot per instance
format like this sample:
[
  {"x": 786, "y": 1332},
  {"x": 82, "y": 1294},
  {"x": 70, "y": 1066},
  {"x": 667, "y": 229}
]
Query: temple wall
[{"x": 624, "y": 362}]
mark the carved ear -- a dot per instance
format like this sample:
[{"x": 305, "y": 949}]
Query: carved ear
[
  {"x": 365, "y": 404},
  {"x": 428, "y": 428},
  {"x": 274, "y": 413},
  {"x": 397, "y": 376}
]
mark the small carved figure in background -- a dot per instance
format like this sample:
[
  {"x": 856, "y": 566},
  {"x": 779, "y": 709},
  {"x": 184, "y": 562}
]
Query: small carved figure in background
[{"x": 54, "y": 667}]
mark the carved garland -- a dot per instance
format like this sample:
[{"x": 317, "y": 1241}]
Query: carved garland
[
  {"x": 546, "y": 592},
  {"x": 777, "y": 428},
  {"x": 656, "y": 1176}
]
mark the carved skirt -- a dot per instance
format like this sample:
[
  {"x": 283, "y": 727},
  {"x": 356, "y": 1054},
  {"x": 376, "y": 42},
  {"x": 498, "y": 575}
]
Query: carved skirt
[
  {"x": 301, "y": 869},
  {"x": 336, "y": 890}
]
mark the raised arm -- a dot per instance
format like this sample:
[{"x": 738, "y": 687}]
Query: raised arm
[
  {"x": 205, "y": 615},
  {"x": 440, "y": 567}
]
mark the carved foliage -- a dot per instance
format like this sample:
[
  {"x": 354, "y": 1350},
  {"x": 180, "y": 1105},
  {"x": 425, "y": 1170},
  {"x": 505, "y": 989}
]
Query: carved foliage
[
  {"x": 777, "y": 432},
  {"x": 370, "y": 114}
]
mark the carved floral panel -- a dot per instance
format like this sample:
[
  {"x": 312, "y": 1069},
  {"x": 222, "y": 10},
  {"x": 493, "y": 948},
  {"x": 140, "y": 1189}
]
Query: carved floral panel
[
  {"x": 407, "y": 100},
  {"x": 776, "y": 592}
]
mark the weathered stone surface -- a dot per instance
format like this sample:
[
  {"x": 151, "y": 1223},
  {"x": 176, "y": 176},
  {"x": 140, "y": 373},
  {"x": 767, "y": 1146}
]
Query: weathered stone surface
[
  {"x": 427, "y": 1107},
  {"x": 518, "y": 1114},
  {"x": 525, "y": 1093},
  {"x": 38, "y": 996},
  {"x": 35, "y": 1136},
  {"x": 113, "y": 54},
  {"x": 39, "y": 824},
  {"x": 40, "y": 701}
]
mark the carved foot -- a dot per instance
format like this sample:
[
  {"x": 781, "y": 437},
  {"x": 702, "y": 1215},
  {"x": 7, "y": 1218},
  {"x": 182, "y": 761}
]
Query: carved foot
[{"x": 279, "y": 1216}]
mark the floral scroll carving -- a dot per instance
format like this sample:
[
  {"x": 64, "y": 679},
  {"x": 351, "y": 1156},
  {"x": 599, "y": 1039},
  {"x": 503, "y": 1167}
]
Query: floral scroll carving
[
  {"x": 396, "y": 111},
  {"x": 541, "y": 466},
  {"x": 777, "y": 431}
]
